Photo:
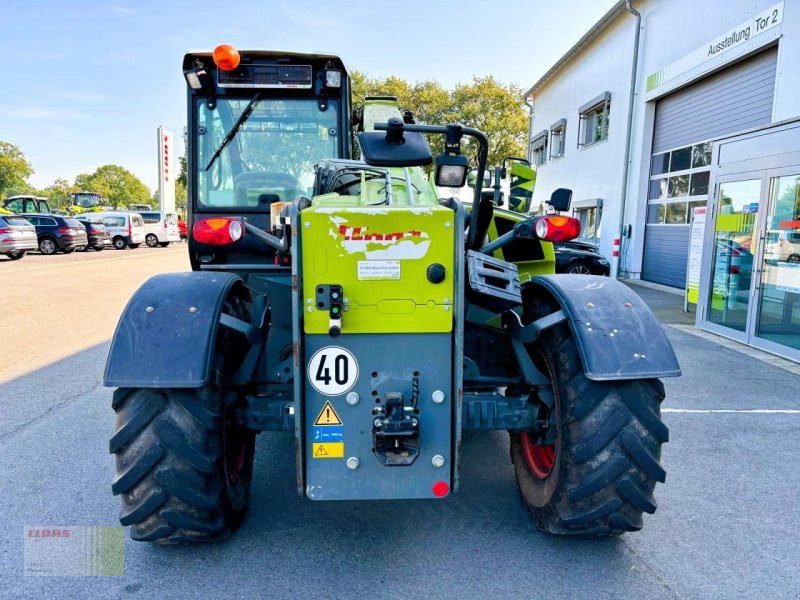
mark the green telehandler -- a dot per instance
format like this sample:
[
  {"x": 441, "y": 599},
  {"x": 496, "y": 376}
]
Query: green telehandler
[{"x": 346, "y": 302}]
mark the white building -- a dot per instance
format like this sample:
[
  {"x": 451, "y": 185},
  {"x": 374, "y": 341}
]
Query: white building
[{"x": 709, "y": 96}]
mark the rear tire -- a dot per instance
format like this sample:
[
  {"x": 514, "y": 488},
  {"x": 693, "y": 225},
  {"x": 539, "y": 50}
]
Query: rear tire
[
  {"x": 605, "y": 464},
  {"x": 48, "y": 246},
  {"x": 16, "y": 254},
  {"x": 163, "y": 244},
  {"x": 151, "y": 240},
  {"x": 120, "y": 243},
  {"x": 183, "y": 471},
  {"x": 134, "y": 246}
]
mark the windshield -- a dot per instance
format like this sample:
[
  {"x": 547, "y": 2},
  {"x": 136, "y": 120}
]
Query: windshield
[
  {"x": 272, "y": 156},
  {"x": 86, "y": 200}
]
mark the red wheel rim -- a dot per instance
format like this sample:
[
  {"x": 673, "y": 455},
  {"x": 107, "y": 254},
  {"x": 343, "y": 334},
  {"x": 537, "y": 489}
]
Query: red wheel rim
[{"x": 540, "y": 459}]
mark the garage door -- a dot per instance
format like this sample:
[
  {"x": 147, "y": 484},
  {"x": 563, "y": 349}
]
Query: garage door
[{"x": 734, "y": 99}]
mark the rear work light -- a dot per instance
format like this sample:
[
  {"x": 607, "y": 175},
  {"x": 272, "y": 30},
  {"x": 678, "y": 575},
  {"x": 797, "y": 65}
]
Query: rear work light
[
  {"x": 218, "y": 231},
  {"x": 557, "y": 228}
]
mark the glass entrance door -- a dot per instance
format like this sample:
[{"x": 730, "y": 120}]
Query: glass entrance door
[
  {"x": 779, "y": 289},
  {"x": 733, "y": 254}
]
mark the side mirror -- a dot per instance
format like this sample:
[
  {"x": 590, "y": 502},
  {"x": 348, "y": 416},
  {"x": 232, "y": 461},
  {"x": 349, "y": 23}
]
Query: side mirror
[
  {"x": 560, "y": 199},
  {"x": 472, "y": 178},
  {"x": 396, "y": 148}
]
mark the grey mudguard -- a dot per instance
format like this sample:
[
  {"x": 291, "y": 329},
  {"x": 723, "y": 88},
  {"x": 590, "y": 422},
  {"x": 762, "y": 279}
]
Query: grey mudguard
[
  {"x": 165, "y": 337},
  {"x": 618, "y": 336}
]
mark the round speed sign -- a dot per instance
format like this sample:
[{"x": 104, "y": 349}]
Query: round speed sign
[{"x": 332, "y": 370}]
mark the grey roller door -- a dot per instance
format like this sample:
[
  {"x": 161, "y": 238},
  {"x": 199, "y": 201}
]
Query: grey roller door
[
  {"x": 666, "y": 250},
  {"x": 736, "y": 98}
]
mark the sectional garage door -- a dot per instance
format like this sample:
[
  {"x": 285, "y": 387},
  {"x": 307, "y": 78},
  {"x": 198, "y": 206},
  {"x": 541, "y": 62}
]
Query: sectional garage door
[{"x": 731, "y": 100}]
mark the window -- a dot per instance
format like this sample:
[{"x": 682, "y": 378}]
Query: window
[
  {"x": 151, "y": 218},
  {"x": 594, "y": 118},
  {"x": 15, "y": 206},
  {"x": 558, "y": 131},
  {"x": 590, "y": 223},
  {"x": 539, "y": 148},
  {"x": 678, "y": 183}
]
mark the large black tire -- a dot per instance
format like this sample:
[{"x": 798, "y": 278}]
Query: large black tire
[
  {"x": 608, "y": 445},
  {"x": 179, "y": 480},
  {"x": 151, "y": 240},
  {"x": 120, "y": 243}
]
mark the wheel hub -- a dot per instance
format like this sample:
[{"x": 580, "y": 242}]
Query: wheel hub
[{"x": 540, "y": 459}]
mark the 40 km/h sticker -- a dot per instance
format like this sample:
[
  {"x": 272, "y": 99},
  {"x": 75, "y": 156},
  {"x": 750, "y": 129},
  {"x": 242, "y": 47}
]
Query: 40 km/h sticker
[{"x": 332, "y": 370}]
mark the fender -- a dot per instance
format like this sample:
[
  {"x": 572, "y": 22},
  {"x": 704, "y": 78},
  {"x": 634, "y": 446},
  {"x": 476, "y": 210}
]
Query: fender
[
  {"x": 165, "y": 337},
  {"x": 617, "y": 334}
]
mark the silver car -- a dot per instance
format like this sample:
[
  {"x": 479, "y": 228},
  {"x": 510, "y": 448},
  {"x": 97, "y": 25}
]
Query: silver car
[{"x": 17, "y": 236}]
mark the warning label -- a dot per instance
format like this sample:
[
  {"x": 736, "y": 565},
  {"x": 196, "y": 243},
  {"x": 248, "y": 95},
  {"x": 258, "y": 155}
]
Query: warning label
[
  {"x": 328, "y": 416},
  {"x": 378, "y": 269},
  {"x": 328, "y": 450}
]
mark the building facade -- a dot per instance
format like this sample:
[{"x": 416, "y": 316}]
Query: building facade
[{"x": 703, "y": 77}]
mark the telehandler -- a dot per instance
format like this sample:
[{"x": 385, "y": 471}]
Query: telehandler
[{"x": 346, "y": 302}]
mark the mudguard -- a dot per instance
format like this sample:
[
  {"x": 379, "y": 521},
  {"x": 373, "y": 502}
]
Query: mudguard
[
  {"x": 165, "y": 337},
  {"x": 617, "y": 334}
]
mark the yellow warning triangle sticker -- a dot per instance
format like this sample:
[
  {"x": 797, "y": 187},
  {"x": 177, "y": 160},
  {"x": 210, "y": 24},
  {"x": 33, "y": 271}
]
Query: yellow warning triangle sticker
[
  {"x": 321, "y": 450},
  {"x": 328, "y": 416}
]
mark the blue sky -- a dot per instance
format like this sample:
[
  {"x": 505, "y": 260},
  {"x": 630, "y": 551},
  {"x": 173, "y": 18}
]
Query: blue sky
[{"x": 87, "y": 83}]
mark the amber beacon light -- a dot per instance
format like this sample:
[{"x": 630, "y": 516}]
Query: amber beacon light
[{"x": 226, "y": 57}]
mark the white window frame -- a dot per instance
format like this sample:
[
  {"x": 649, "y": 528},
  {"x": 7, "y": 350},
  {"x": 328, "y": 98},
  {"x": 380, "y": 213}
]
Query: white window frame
[
  {"x": 586, "y": 115},
  {"x": 558, "y": 132},
  {"x": 539, "y": 148}
]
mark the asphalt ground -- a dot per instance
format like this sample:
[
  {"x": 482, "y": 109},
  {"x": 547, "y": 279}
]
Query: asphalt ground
[{"x": 727, "y": 524}]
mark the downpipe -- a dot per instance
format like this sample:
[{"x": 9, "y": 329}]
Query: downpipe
[{"x": 628, "y": 134}]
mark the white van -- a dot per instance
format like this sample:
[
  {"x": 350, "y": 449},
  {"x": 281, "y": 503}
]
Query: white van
[
  {"x": 160, "y": 228},
  {"x": 126, "y": 228}
]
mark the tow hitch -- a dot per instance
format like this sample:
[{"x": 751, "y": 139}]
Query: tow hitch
[{"x": 395, "y": 431}]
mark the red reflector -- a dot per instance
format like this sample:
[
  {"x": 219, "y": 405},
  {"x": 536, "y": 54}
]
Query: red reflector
[
  {"x": 734, "y": 270},
  {"x": 217, "y": 231},
  {"x": 557, "y": 228},
  {"x": 440, "y": 488}
]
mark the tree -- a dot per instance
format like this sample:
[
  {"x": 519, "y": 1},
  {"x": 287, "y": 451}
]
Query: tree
[
  {"x": 485, "y": 104},
  {"x": 119, "y": 186},
  {"x": 14, "y": 170},
  {"x": 58, "y": 192}
]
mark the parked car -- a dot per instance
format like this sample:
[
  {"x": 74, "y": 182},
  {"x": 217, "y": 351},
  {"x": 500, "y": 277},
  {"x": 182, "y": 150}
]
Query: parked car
[
  {"x": 160, "y": 228},
  {"x": 126, "y": 228},
  {"x": 580, "y": 258},
  {"x": 183, "y": 229},
  {"x": 56, "y": 233},
  {"x": 98, "y": 234},
  {"x": 26, "y": 205},
  {"x": 17, "y": 236},
  {"x": 782, "y": 246}
]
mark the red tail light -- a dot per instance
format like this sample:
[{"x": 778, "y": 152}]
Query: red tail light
[
  {"x": 734, "y": 269},
  {"x": 130, "y": 228},
  {"x": 67, "y": 230},
  {"x": 218, "y": 231},
  {"x": 5, "y": 230},
  {"x": 557, "y": 228}
]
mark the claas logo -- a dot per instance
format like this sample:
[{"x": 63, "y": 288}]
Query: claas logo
[{"x": 360, "y": 234}]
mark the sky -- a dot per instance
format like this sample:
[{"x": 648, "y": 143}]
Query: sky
[{"x": 87, "y": 83}]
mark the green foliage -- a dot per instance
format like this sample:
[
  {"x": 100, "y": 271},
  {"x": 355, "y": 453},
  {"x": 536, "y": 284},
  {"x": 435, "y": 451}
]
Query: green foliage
[
  {"x": 14, "y": 171},
  {"x": 58, "y": 193},
  {"x": 119, "y": 186},
  {"x": 485, "y": 104}
]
